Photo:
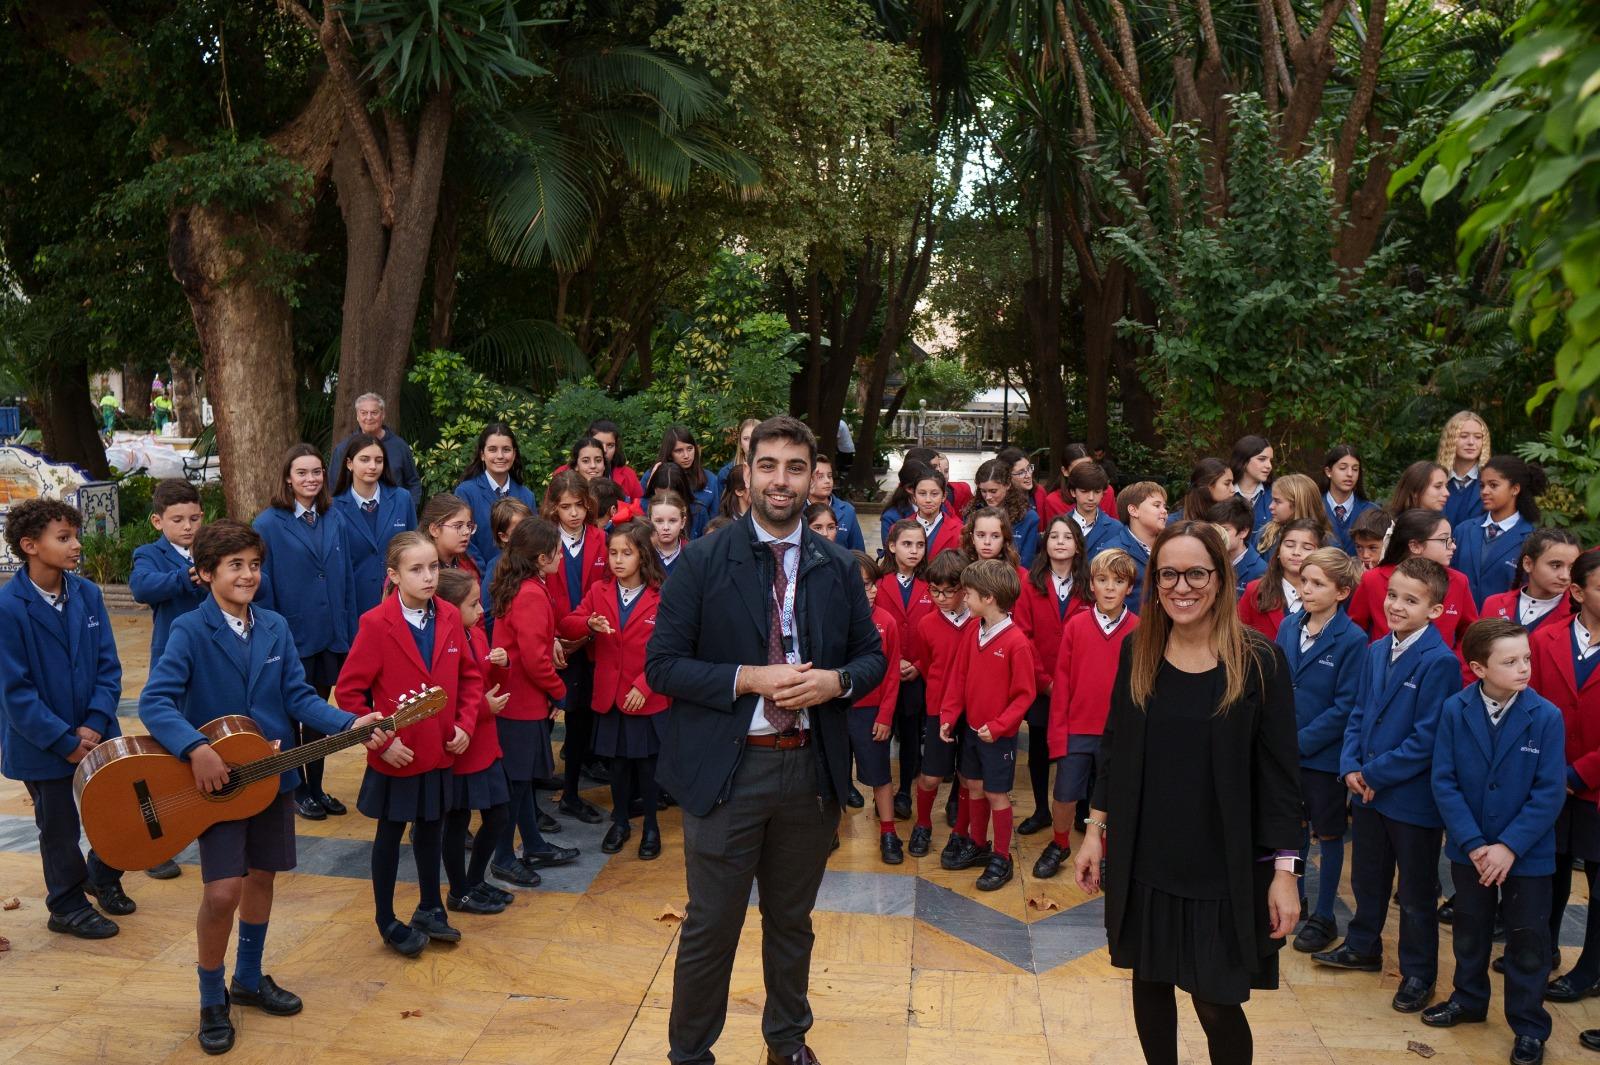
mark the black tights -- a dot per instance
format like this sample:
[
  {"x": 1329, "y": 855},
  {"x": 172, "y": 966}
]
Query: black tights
[
  {"x": 1155, "y": 1017},
  {"x": 465, "y": 876},
  {"x": 1039, "y": 769},
  {"x": 622, "y": 770},
  {"x": 425, "y": 844}
]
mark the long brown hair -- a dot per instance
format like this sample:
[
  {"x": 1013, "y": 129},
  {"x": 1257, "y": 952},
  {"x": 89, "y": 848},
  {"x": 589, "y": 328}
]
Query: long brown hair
[
  {"x": 1234, "y": 645},
  {"x": 1306, "y": 499},
  {"x": 1008, "y": 543},
  {"x": 1269, "y": 590},
  {"x": 519, "y": 562},
  {"x": 1039, "y": 574},
  {"x": 283, "y": 495},
  {"x": 1014, "y": 503},
  {"x": 641, "y": 535},
  {"x": 567, "y": 482}
]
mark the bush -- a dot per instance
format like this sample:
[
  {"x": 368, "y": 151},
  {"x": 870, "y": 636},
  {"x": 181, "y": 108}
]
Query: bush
[{"x": 109, "y": 559}]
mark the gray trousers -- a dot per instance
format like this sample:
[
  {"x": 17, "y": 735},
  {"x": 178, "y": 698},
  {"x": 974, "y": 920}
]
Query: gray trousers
[{"x": 774, "y": 831}]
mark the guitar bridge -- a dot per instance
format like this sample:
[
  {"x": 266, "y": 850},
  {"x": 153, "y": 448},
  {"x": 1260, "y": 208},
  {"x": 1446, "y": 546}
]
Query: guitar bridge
[{"x": 147, "y": 809}]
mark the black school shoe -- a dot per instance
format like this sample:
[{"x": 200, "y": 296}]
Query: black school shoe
[
  {"x": 333, "y": 806},
  {"x": 1567, "y": 989},
  {"x": 1412, "y": 996},
  {"x": 889, "y": 848},
  {"x": 580, "y": 809},
  {"x": 921, "y": 840},
  {"x": 112, "y": 898},
  {"x": 549, "y": 857},
  {"x": 1450, "y": 1013},
  {"x": 488, "y": 891},
  {"x": 1345, "y": 958},
  {"x": 902, "y": 806},
  {"x": 616, "y": 836},
  {"x": 403, "y": 940},
  {"x": 650, "y": 845},
  {"x": 216, "y": 1029},
  {"x": 516, "y": 874},
  {"x": 310, "y": 809},
  {"x": 268, "y": 997},
  {"x": 87, "y": 923},
  {"x": 1317, "y": 934},
  {"x": 167, "y": 870},
  {"x": 853, "y": 799},
  {"x": 971, "y": 854},
  {"x": 1037, "y": 821},
  {"x": 1527, "y": 1050},
  {"x": 434, "y": 925},
  {"x": 951, "y": 849},
  {"x": 996, "y": 875},
  {"x": 1050, "y": 859},
  {"x": 472, "y": 902}
]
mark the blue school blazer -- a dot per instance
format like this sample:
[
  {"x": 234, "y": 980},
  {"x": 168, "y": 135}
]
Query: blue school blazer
[
  {"x": 480, "y": 497},
  {"x": 58, "y": 671},
  {"x": 1106, "y": 532},
  {"x": 1490, "y": 566},
  {"x": 1250, "y": 566},
  {"x": 1341, "y": 529},
  {"x": 1501, "y": 785},
  {"x": 307, "y": 578},
  {"x": 1391, "y": 732},
  {"x": 849, "y": 535},
  {"x": 160, "y": 580},
  {"x": 367, "y": 543},
  {"x": 1464, "y": 504},
  {"x": 1261, "y": 507},
  {"x": 1025, "y": 534},
  {"x": 208, "y": 671},
  {"x": 1327, "y": 682},
  {"x": 1141, "y": 558}
]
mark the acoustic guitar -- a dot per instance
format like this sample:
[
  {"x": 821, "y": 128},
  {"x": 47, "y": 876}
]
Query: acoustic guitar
[{"x": 139, "y": 802}]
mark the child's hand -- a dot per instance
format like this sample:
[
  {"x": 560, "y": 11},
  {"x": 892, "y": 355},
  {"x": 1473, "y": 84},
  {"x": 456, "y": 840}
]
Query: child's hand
[
  {"x": 79, "y": 752},
  {"x": 458, "y": 741},
  {"x": 944, "y": 732},
  {"x": 634, "y": 700},
  {"x": 880, "y": 733},
  {"x": 558, "y": 656},
  {"x": 194, "y": 576},
  {"x": 985, "y": 735},
  {"x": 1358, "y": 786},
  {"x": 398, "y": 754},
  {"x": 907, "y": 670},
  {"x": 1493, "y": 863},
  {"x": 496, "y": 701},
  {"x": 379, "y": 737},
  {"x": 210, "y": 771},
  {"x": 600, "y": 623},
  {"x": 499, "y": 657},
  {"x": 88, "y": 734}
]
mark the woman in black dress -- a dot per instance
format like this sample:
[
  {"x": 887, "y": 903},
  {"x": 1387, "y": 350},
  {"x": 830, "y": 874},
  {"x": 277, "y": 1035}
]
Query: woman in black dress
[{"x": 1199, "y": 779}]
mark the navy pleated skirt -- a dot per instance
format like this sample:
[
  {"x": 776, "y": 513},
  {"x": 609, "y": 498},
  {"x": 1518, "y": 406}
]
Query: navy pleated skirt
[
  {"x": 423, "y": 797},
  {"x": 619, "y": 735},
  {"x": 481, "y": 790},
  {"x": 525, "y": 749}
]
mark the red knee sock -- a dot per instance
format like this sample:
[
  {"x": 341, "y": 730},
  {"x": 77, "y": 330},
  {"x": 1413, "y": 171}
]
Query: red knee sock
[
  {"x": 963, "y": 815},
  {"x": 979, "y": 816},
  {"x": 1002, "y": 832},
  {"x": 925, "y": 798},
  {"x": 1064, "y": 840},
  {"x": 885, "y": 826}
]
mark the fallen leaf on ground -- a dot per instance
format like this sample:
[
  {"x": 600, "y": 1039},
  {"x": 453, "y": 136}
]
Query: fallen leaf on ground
[
  {"x": 1421, "y": 1050},
  {"x": 5, "y": 944},
  {"x": 404, "y": 1014},
  {"x": 11, "y": 903},
  {"x": 670, "y": 915},
  {"x": 1043, "y": 903}
]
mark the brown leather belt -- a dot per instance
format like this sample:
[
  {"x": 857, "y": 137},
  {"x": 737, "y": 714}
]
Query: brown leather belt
[{"x": 781, "y": 741}]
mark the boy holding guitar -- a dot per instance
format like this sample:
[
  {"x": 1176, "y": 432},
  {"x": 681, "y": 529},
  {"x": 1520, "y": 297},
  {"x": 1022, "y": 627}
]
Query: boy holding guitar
[{"x": 230, "y": 656}]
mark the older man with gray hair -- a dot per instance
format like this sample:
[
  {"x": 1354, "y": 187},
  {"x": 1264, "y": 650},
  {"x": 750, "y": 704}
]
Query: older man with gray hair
[{"x": 402, "y": 467}]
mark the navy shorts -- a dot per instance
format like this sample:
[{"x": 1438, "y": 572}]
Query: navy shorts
[
  {"x": 994, "y": 763},
  {"x": 938, "y": 757},
  {"x": 1324, "y": 803},
  {"x": 872, "y": 756},
  {"x": 265, "y": 842},
  {"x": 1075, "y": 769}
]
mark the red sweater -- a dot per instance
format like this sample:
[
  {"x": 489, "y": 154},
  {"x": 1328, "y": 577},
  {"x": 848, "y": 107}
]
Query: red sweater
[
  {"x": 1043, "y": 621},
  {"x": 1366, "y": 605},
  {"x": 1266, "y": 622},
  {"x": 992, "y": 683},
  {"x": 907, "y": 611},
  {"x": 528, "y": 633},
  {"x": 938, "y": 643},
  {"x": 618, "y": 657},
  {"x": 1086, "y": 669},
  {"x": 887, "y": 693},
  {"x": 1555, "y": 678},
  {"x": 484, "y": 750},
  {"x": 384, "y": 665}
]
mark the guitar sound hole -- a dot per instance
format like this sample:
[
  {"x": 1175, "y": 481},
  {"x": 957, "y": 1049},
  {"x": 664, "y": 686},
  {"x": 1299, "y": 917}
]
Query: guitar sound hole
[{"x": 229, "y": 789}]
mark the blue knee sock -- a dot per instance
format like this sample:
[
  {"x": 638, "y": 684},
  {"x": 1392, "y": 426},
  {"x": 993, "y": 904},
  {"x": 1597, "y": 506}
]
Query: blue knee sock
[
  {"x": 1330, "y": 863},
  {"x": 247, "y": 965},
  {"x": 212, "y": 990}
]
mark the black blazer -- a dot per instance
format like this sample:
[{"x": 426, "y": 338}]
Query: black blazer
[
  {"x": 713, "y": 618},
  {"x": 1255, "y": 755}
]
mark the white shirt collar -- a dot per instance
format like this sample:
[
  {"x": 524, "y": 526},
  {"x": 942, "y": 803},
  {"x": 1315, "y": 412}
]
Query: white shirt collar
[
  {"x": 957, "y": 618},
  {"x": 905, "y": 579},
  {"x": 183, "y": 552},
  {"x": 55, "y": 600},
  {"x": 377, "y": 494},
  {"x": 673, "y": 556},
  {"x": 1461, "y": 480},
  {"x": 495, "y": 488},
  {"x": 929, "y": 525},
  {"x": 1496, "y": 710},
  {"x": 1506, "y": 524},
  {"x": 572, "y": 543},
  {"x": 1107, "y": 625},
  {"x": 1399, "y": 647},
  {"x": 792, "y": 537},
  {"x": 1063, "y": 585},
  {"x": 301, "y": 509},
  {"x": 1084, "y": 525},
  {"x": 628, "y": 595},
  {"x": 1251, "y": 498},
  {"x": 241, "y": 626},
  {"x": 416, "y": 617},
  {"x": 989, "y": 632},
  {"x": 1348, "y": 504},
  {"x": 1291, "y": 597},
  {"x": 1307, "y": 637},
  {"x": 1530, "y": 609},
  {"x": 1581, "y": 635}
]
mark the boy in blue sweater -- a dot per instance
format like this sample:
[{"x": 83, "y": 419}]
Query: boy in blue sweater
[
  {"x": 60, "y": 680},
  {"x": 1386, "y": 763},
  {"x": 232, "y": 657},
  {"x": 1500, "y": 780}
]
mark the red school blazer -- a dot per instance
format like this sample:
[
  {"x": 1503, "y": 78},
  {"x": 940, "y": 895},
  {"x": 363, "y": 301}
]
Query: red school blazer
[
  {"x": 1042, "y": 620},
  {"x": 528, "y": 633},
  {"x": 484, "y": 750},
  {"x": 1266, "y": 622},
  {"x": 938, "y": 643},
  {"x": 908, "y": 612},
  {"x": 887, "y": 693},
  {"x": 619, "y": 657},
  {"x": 384, "y": 664},
  {"x": 595, "y": 568},
  {"x": 1505, "y": 605},
  {"x": 1086, "y": 671},
  {"x": 1054, "y": 504},
  {"x": 946, "y": 538},
  {"x": 1555, "y": 678},
  {"x": 1366, "y": 605}
]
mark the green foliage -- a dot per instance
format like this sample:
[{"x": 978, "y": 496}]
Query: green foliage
[
  {"x": 1525, "y": 147},
  {"x": 109, "y": 559},
  {"x": 231, "y": 174},
  {"x": 943, "y": 382},
  {"x": 1573, "y": 465},
  {"x": 428, "y": 45}
]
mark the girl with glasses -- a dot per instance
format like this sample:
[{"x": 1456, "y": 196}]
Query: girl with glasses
[{"x": 1424, "y": 533}]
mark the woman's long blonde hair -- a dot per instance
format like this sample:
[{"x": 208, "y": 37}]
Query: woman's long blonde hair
[
  {"x": 1447, "y": 440},
  {"x": 1230, "y": 639},
  {"x": 1306, "y": 498}
]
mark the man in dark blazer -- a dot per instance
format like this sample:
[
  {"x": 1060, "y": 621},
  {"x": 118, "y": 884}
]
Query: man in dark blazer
[
  {"x": 397, "y": 456},
  {"x": 760, "y": 663}
]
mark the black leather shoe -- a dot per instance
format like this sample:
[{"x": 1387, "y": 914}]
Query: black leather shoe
[
  {"x": 516, "y": 874},
  {"x": 1049, "y": 863},
  {"x": 549, "y": 857},
  {"x": 1037, "y": 821},
  {"x": 1589, "y": 1038},
  {"x": 547, "y": 824},
  {"x": 216, "y": 1029},
  {"x": 667, "y": 800},
  {"x": 1527, "y": 1050},
  {"x": 434, "y": 925},
  {"x": 584, "y": 811},
  {"x": 1566, "y": 989},
  {"x": 952, "y": 848},
  {"x": 902, "y": 806},
  {"x": 268, "y": 997},
  {"x": 921, "y": 841},
  {"x": 167, "y": 870},
  {"x": 853, "y": 799},
  {"x": 1345, "y": 958},
  {"x": 1317, "y": 934},
  {"x": 489, "y": 893},
  {"x": 1413, "y": 994},
  {"x": 803, "y": 1056},
  {"x": 996, "y": 875},
  {"x": 1447, "y": 911},
  {"x": 310, "y": 809},
  {"x": 1450, "y": 1013},
  {"x": 616, "y": 836},
  {"x": 87, "y": 923},
  {"x": 334, "y": 807},
  {"x": 971, "y": 854},
  {"x": 650, "y": 844},
  {"x": 472, "y": 902},
  {"x": 597, "y": 772},
  {"x": 404, "y": 939},
  {"x": 889, "y": 848},
  {"x": 112, "y": 898}
]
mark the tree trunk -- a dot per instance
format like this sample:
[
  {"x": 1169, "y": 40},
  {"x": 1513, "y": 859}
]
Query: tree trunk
[
  {"x": 246, "y": 338},
  {"x": 1102, "y": 309},
  {"x": 446, "y": 250},
  {"x": 68, "y": 427},
  {"x": 1138, "y": 405},
  {"x": 184, "y": 392},
  {"x": 135, "y": 390}
]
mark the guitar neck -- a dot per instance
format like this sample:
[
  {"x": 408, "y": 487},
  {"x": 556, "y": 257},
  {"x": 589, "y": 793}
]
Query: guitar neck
[{"x": 295, "y": 757}]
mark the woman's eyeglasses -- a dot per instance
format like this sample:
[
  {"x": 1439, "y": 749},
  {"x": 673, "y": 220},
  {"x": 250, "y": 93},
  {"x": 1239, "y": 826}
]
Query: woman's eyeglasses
[{"x": 1195, "y": 577}]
